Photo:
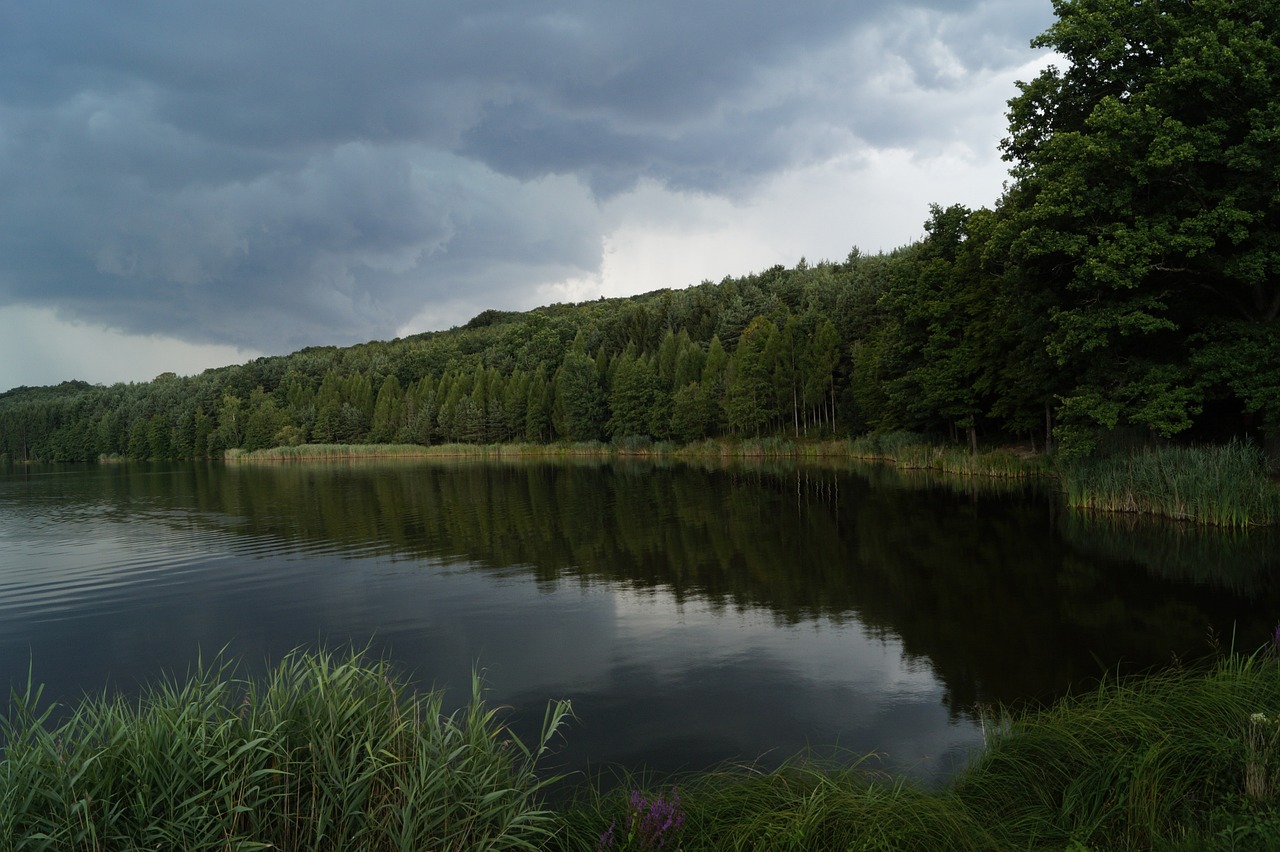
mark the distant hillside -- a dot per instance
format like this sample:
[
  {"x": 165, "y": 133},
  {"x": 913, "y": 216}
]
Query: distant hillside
[
  {"x": 944, "y": 337},
  {"x": 752, "y": 355}
]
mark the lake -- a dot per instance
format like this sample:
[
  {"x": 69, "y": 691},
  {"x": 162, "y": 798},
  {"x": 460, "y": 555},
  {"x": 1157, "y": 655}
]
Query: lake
[{"x": 694, "y": 614}]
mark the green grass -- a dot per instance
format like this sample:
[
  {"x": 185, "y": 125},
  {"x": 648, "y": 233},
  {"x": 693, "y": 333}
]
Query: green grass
[
  {"x": 803, "y": 805},
  {"x": 324, "y": 753},
  {"x": 1156, "y": 762},
  {"x": 322, "y": 452},
  {"x": 629, "y": 446},
  {"x": 909, "y": 451},
  {"x": 1173, "y": 760},
  {"x": 1224, "y": 485},
  {"x": 330, "y": 752}
]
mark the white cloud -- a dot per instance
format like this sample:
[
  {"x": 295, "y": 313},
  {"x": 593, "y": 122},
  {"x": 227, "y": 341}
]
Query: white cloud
[
  {"x": 37, "y": 348},
  {"x": 874, "y": 198}
]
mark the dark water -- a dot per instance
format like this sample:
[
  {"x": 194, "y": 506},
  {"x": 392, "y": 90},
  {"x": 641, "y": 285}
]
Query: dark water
[{"x": 693, "y": 615}]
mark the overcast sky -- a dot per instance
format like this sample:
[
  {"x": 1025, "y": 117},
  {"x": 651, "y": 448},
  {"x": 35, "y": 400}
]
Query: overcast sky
[{"x": 186, "y": 185}]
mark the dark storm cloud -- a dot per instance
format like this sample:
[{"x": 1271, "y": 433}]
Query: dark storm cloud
[{"x": 279, "y": 174}]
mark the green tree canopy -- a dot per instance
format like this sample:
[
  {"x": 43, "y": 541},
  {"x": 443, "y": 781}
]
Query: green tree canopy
[{"x": 1145, "y": 196}]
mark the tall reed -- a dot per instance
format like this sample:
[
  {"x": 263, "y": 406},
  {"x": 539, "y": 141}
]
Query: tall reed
[
  {"x": 320, "y": 452},
  {"x": 910, "y": 451},
  {"x": 334, "y": 753},
  {"x": 1223, "y": 485},
  {"x": 324, "y": 753}
]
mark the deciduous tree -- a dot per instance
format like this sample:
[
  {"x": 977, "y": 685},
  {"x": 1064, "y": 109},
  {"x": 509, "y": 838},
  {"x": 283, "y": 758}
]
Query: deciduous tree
[{"x": 1144, "y": 197}]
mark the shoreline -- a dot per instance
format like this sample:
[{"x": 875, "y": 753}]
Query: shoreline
[{"x": 1224, "y": 486}]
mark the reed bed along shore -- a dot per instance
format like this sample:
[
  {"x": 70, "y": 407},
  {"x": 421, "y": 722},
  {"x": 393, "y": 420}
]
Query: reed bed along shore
[
  {"x": 909, "y": 451},
  {"x": 1225, "y": 485},
  {"x": 758, "y": 448},
  {"x": 913, "y": 453},
  {"x": 333, "y": 452},
  {"x": 331, "y": 752},
  {"x": 1218, "y": 485},
  {"x": 326, "y": 752}
]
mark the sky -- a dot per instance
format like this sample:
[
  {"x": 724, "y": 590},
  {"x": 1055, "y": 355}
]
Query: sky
[{"x": 191, "y": 185}]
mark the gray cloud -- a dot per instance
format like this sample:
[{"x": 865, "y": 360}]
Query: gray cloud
[{"x": 277, "y": 175}]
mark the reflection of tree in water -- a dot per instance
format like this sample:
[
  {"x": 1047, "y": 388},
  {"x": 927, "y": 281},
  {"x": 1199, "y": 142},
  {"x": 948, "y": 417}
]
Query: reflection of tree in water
[
  {"x": 1005, "y": 597},
  {"x": 1245, "y": 562},
  {"x": 733, "y": 537},
  {"x": 1006, "y": 610}
]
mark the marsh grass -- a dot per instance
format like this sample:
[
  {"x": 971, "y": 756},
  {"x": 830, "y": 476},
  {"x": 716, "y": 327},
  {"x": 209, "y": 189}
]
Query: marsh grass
[
  {"x": 1178, "y": 759},
  {"x": 325, "y": 752},
  {"x": 909, "y": 451},
  {"x": 323, "y": 452},
  {"x": 803, "y": 805},
  {"x": 1224, "y": 485},
  {"x": 1160, "y": 761},
  {"x": 329, "y": 752},
  {"x": 627, "y": 446},
  {"x": 886, "y": 446}
]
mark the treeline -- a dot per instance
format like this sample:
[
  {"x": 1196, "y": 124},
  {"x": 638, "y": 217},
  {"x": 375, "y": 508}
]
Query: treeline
[
  {"x": 928, "y": 338},
  {"x": 753, "y": 356},
  {"x": 1125, "y": 288}
]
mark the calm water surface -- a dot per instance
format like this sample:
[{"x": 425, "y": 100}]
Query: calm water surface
[{"x": 692, "y": 614}]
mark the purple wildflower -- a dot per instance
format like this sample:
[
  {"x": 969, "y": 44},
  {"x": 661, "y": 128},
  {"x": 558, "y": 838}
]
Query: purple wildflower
[
  {"x": 655, "y": 824},
  {"x": 606, "y": 839},
  {"x": 651, "y": 824}
]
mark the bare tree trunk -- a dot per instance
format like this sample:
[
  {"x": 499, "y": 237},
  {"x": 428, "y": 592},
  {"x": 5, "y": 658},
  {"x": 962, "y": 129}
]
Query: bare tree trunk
[{"x": 832, "y": 419}]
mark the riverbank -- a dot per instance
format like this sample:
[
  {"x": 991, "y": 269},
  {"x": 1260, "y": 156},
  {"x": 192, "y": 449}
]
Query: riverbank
[
  {"x": 1218, "y": 485},
  {"x": 1178, "y": 760},
  {"x": 907, "y": 452},
  {"x": 332, "y": 752}
]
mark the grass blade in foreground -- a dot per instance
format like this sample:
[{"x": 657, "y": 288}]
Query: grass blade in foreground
[{"x": 324, "y": 753}]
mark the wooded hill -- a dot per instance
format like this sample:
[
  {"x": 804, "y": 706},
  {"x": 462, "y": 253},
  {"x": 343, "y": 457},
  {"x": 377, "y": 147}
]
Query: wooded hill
[{"x": 1126, "y": 285}]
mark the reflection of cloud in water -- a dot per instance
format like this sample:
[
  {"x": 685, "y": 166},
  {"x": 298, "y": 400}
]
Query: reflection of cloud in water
[
  {"x": 654, "y": 680},
  {"x": 743, "y": 688},
  {"x": 819, "y": 649}
]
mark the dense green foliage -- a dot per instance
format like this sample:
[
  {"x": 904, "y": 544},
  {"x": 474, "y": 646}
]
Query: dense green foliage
[
  {"x": 1124, "y": 287},
  {"x": 1145, "y": 209},
  {"x": 650, "y": 367},
  {"x": 324, "y": 753}
]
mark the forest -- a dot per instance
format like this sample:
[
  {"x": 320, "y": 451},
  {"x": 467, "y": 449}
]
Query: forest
[{"x": 1123, "y": 290}]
